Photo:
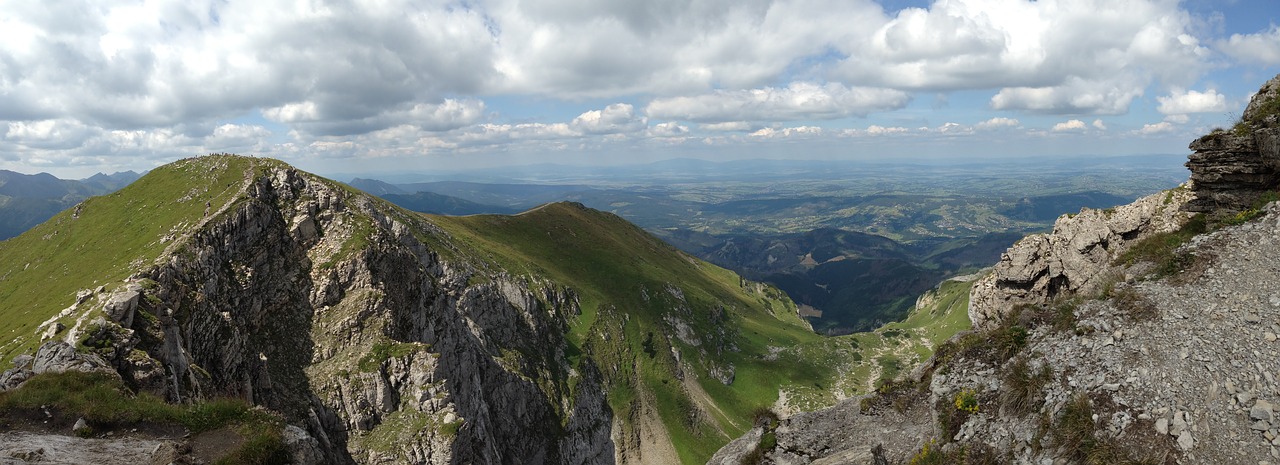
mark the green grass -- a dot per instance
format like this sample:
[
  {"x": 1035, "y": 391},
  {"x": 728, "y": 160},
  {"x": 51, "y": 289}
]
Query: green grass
[
  {"x": 1161, "y": 249},
  {"x": 383, "y": 351},
  {"x": 103, "y": 401},
  {"x": 623, "y": 278},
  {"x": 612, "y": 265},
  {"x": 114, "y": 236}
]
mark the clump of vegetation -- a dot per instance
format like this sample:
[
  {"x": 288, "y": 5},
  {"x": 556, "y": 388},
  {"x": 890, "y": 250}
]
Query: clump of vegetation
[
  {"x": 1075, "y": 432},
  {"x": 1022, "y": 387},
  {"x": 766, "y": 418},
  {"x": 966, "y": 401},
  {"x": 968, "y": 454},
  {"x": 103, "y": 400},
  {"x": 383, "y": 351},
  {"x": 899, "y": 395},
  {"x": 1260, "y": 114},
  {"x": 1255, "y": 210},
  {"x": 451, "y": 429},
  {"x": 951, "y": 417},
  {"x": 1162, "y": 249},
  {"x": 1135, "y": 305}
]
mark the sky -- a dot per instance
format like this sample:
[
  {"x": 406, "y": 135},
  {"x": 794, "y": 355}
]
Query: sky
[{"x": 395, "y": 86}]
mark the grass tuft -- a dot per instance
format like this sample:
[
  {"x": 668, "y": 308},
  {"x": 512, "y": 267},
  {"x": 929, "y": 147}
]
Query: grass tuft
[
  {"x": 103, "y": 400},
  {"x": 1135, "y": 305},
  {"x": 1022, "y": 387},
  {"x": 1162, "y": 249}
]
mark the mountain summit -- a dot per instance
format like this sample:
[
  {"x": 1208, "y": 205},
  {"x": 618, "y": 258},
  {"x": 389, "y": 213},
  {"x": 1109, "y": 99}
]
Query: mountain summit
[{"x": 559, "y": 335}]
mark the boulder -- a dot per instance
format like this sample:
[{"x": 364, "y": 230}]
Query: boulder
[
  {"x": 123, "y": 304},
  {"x": 58, "y": 357},
  {"x": 303, "y": 448}
]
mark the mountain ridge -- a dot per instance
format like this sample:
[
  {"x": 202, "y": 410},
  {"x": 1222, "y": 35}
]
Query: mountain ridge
[{"x": 388, "y": 335}]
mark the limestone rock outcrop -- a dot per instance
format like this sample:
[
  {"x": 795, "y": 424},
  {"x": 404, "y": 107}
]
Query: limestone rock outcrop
[
  {"x": 52, "y": 357},
  {"x": 1075, "y": 258},
  {"x": 1231, "y": 169}
]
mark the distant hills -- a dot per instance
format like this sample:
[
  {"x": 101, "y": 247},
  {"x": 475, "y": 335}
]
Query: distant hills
[
  {"x": 29, "y": 199},
  {"x": 854, "y": 253}
]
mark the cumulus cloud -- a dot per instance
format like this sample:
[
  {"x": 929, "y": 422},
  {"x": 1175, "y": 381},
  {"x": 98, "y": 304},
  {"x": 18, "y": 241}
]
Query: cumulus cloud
[
  {"x": 877, "y": 130},
  {"x": 163, "y": 77},
  {"x": 800, "y": 100},
  {"x": 618, "y": 118},
  {"x": 997, "y": 123},
  {"x": 236, "y": 137},
  {"x": 1156, "y": 128},
  {"x": 1069, "y": 125},
  {"x": 49, "y": 134},
  {"x": 730, "y": 126},
  {"x": 668, "y": 129},
  {"x": 1262, "y": 48},
  {"x": 1179, "y": 102},
  {"x": 198, "y": 60},
  {"x": 1076, "y": 96},
  {"x": 1048, "y": 57},
  {"x": 309, "y": 117},
  {"x": 1099, "y": 125},
  {"x": 786, "y": 133}
]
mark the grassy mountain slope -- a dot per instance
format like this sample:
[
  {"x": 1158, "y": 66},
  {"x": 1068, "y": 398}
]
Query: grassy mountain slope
[
  {"x": 623, "y": 273},
  {"x": 618, "y": 268},
  {"x": 688, "y": 350},
  {"x": 28, "y": 200},
  {"x": 112, "y": 237}
]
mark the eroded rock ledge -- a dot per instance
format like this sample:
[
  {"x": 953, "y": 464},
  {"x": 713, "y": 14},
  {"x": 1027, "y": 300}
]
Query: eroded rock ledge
[
  {"x": 1075, "y": 258},
  {"x": 1231, "y": 169}
]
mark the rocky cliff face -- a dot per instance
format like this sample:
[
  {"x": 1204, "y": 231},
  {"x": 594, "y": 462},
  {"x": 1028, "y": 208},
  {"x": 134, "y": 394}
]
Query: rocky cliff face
[
  {"x": 320, "y": 304},
  {"x": 1231, "y": 169}
]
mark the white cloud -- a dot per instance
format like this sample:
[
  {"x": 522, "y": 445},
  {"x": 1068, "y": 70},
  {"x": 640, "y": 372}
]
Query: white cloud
[
  {"x": 877, "y": 130},
  {"x": 997, "y": 123},
  {"x": 787, "y": 133},
  {"x": 668, "y": 129},
  {"x": 1049, "y": 57},
  {"x": 614, "y": 119},
  {"x": 1156, "y": 128},
  {"x": 729, "y": 126},
  {"x": 800, "y": 100},
  {"x": 1259, "y": 49},
  {"x": 236, "y": 137},
  {"x": 1099, "y": 125},
  {"x": 1177, "y": 119},
  {"x": 356, "y": 78},
  {"x": 1069, "y": 125},
  {"x": 49, "y": 134},
  {"x": 1076, "y": 96},
  {"x": 1181, "y": 103}
]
